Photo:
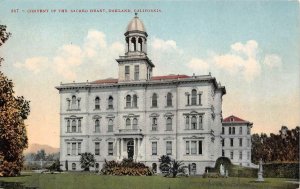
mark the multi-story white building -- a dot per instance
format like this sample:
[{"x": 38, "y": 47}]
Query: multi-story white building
[
  {"x": 236, "y": 140},
  {"x": 141, "y": 116}
]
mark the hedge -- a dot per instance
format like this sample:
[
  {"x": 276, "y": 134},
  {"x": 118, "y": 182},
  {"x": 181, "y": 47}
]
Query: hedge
[{"x": 281, "y": 170}]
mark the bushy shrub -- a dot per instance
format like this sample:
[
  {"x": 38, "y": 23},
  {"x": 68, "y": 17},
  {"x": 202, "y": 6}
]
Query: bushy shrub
[
  {"x": 281, "y": 170},
  {"x": 125, "y": 167}
]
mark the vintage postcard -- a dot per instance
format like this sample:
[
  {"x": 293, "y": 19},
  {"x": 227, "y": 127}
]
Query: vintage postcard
[{"x": 152, "y": 94}]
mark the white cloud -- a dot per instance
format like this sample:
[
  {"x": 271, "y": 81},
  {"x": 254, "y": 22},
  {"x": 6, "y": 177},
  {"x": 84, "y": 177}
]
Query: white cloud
[
  {"x": 164, "y": 45},
  {"x": 272, "y": 60},
  {"x": 34, "y": 64},
  {"x": 242, "y": 59},
  {"x": 198, "y": 65}
]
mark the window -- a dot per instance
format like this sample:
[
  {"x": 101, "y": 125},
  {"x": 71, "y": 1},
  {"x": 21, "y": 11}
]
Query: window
[
  {"x": 154, "y": 124},
  {"x": 69, "y": 103},
  {"x": 110, "y": 149},
  {"x": 231, "y": 142},
  {"x": 248, "y": 155},
  {"x": 79, "y": 126},
  {"x": 128, "y": 123},
  {"x": 169, "y": 99},
  {"x": 154, "y": 167},
  {"x": 128, "y": 101},
  {"x": 73, "y": 166},
  {"x": 136, "y": 72},
  {"x": 193, "y": 168},
  {"x": 73, "y": 102},
  {"x": 68, "y": 126},
  {"x": 110, "y": 125},
  {"x": 248, "y": 130},
  {"x": 97, "y": 103},
  {"x": 79, "y": 148},
  {"x": 73, "y": 149},
  {"x": 194, "y": 97},
  {"x": 194, "y": 122},
  {"x": 169, "y": 124},
  {"x": 241, "y": 155},
  {"x": 127, "y": 73},
  {"x": 110, "y": 102},
  {"x": 73, "y": 125},
  {"x": 241, "y": 131},
  {"x": 68, "y": 149},
  {"x": 187, "y": 122},
  {"x": 154, "y": 148},
  {"x": 134, "y": 123},
  {"x": 223, "y": 153},
  {"x": 78, "y": 101},
  {"x": 188, "y": 99},
  {"x": 154, "y": 100},
  {"x": 223, "y": 130},
  {"x": 231, "y": 155},
  {"x": 241, "y": 142},
  {"x": 194, "y": 147},
  {"x": 199, "y": 147},
  {"x": 97, "y": 126},
  {"x": 169, "y": 148},
  {"x": 200, "y": 122},
  {"x": 187, "y": 147},
  {"x": 223, "y": 142},
  {"x": 97, "y": 148},
  {"x": 248, "y": 142},
  {"x": 229, "y": 130},
  {"x": 134, "y": 101},
  {"x": 199, "y": 96},
  {"x": 233, "y": 130}
]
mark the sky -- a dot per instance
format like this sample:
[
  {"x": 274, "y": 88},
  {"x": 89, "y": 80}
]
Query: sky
[{"x": 251, "y": 47}]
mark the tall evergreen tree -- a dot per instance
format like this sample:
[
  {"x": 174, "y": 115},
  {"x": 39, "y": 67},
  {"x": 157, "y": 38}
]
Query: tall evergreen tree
[{"x": 13, "y": 111}]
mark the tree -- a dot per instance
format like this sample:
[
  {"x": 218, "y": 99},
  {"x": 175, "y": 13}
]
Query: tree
[
  {"x": 13, "y": 111},
  {"x": 164, "y": 163},
  {"x": 87, "y": 160}
]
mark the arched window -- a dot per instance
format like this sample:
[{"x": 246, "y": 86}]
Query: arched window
[
  {"x": 187, "y": 122},
  {"x": 73, "y": 106},
  {"x": 229, "y": 130},
  {"x": 241, "y": 130},
  {"x": 110, "y": 102},
  {"x": 154, "y": 167},
  {"x": 140, "y": 41},
  {"x": 73, "y": 166},
  {"x": 134, "y": 123},
  {"x": 194, "y": 97},
  {"x": 128, "y": 123},
  {"x": 68, "y": 126},
  {"x": 233, "y": 130},
  {"x": 73, "y": 125},
  {"x": 169, "y": 124},
  {"x": 193, "y": 169},
  {"x": 194, "y": 122},
  {"x": 97, "y": 126},
  {"x": 134, "y": 101},
  {"x": 133, "y": 41},
  {"x": 169, "y": 99},
  {"x": 110, "y": 125},
  {"x": 97, "y": 103},
  {"x": 154, "y": 124},
  {"x": 128, "y": 101},
  {"x": 97, "y": 167},
  {"x": 79, "y": 125},
  {"x": 154, "y": 100}
]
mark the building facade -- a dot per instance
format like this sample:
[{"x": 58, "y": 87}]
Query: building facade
[
  {"x": 236, "y": 140},
  {"x": 142, "y": 116}
]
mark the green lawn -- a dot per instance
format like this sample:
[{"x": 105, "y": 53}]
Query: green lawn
[{"x": 90, "y": 181}]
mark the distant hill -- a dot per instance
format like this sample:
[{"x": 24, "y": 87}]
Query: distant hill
[{"x": 33, "y": 148}]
